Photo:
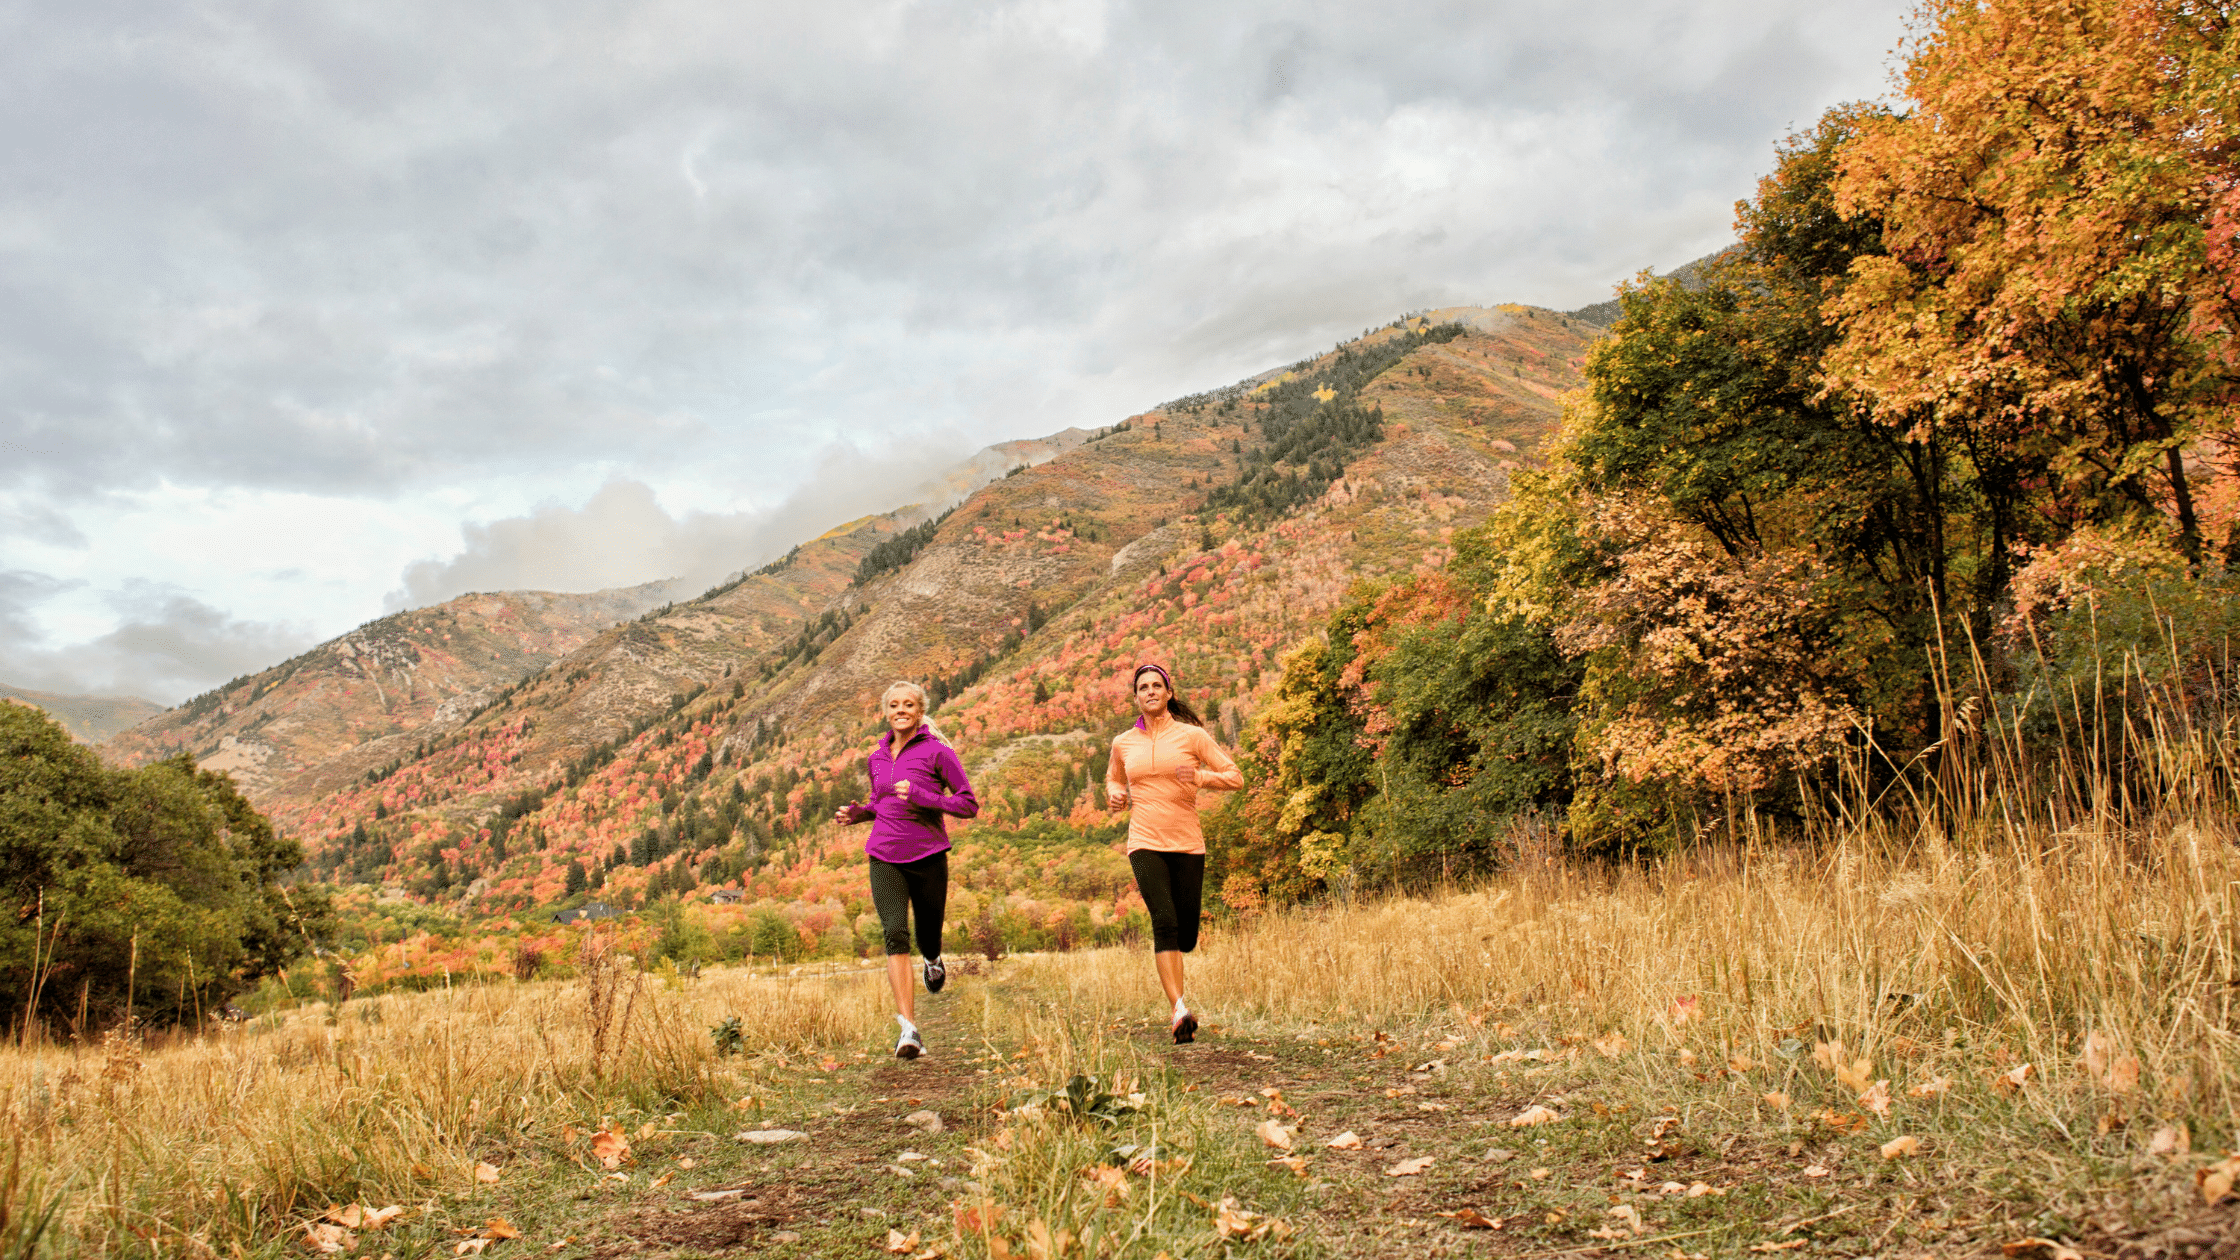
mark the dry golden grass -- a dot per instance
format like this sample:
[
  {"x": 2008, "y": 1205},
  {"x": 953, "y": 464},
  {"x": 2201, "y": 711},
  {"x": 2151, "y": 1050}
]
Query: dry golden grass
[{"x": 225, "y": 1139}]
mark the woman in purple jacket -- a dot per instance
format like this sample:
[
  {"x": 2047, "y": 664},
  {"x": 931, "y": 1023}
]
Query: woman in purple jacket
[{"x": 916, "y": 779}]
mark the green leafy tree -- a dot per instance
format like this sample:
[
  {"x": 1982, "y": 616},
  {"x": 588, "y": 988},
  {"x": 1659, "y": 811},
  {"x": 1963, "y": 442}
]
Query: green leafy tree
[{"x": 157, "y": 889}]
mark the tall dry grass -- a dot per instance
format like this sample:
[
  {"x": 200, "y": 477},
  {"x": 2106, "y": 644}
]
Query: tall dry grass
[{"x": 193, "y": 1147}]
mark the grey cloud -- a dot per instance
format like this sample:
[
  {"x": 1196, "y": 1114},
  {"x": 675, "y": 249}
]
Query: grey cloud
[
  {"x": 165, "y": 647},
  {"x": 623, "y": 537},
  {"x": 345, "y": 249}
]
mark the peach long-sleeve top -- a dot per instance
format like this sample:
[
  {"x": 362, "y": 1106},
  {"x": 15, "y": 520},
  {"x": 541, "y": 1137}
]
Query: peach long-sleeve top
[{"x": 1163, "y": 811}]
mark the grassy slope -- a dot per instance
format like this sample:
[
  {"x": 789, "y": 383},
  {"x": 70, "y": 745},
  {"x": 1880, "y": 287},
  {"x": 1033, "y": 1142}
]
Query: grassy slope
[
  {"x": 368, "y": 696},
  {"x": 89, "y": 719},
  {"x": 1670, "y": 1020}
]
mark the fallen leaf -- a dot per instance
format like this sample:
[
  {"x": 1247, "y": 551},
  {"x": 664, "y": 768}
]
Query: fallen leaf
[
  {"x": 1296, "y": 1163},
  {"x": 2123, "y": 1075},
  {"x": 327, "y": 1240},
  {"x": 1790, "y": 1245},
  {"x": 488, "y": 1173},
  {"x": 1687, "y": 1057},
  {"x": 471, "y": 1247},
  {"x": 976, "y": 1218},
  {"x": 1701, "y": 1188},
  {"x": 1630, "y": 1217},
  {"x": 765, "y": 1137},
  {"x": 2217, "y": 1179},
  {"x": 2170, "y": 1139},
  {"x": 1401, "y": 1090},
  {"x": 2096, "y": 1050},
  {"x": 1346, "y": 1141},
  {"x": 899, "y": 1243},
  {"x": 1899, "y": 1147},
  {"x": 1777, "y": 1100},
  {"x": 662, "y": 1180},
  {"x": 648, "y": 1129},
  {"x": 1815, "y": 1170},
  {"x": 379, "y": 1218},
  {"x": 2011, "y": 1081},
  {"x": 1410, "y": 1167},
  {"x": 1930, "y": 1088},
  {"x": 1433, "y": 1106},
  {"x": 610, "y": 1148},
  {"x": 1685, "y": 1009},
  {"x": 1471, "y": 1218},
  {"x": 717, "y": 1196},
  {"x": 1274, "y": 1134},
  {"x": 1042, "y": 1244},
  {"x": 1739, "y": 1065},
  {"x": 349, "y": 1216},
  {"x": 498, "y": 1227},
  {"x": 1533, "y": 1115},
  {"x": 1841, "y": 1121},
  {"x": 1877, "y": 1099},
  {"x": 2039, "y": 1249},
  {"x": 1611, "y": 1045},
  {"x": 1232, "y": 1220}
]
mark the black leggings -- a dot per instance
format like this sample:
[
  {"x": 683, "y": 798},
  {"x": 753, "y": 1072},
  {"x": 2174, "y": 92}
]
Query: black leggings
[
  {"x": 1173, "y": 887},
  {"x": 898, "y": 888}
]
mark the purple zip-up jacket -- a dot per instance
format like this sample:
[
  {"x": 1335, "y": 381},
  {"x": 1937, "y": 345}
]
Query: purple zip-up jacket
[{"x": 904, "y": 831}]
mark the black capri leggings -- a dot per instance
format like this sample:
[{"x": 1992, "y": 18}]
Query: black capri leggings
[
  {"x": 920, "y": 889},
  {"x": 1173, "y": 887}
]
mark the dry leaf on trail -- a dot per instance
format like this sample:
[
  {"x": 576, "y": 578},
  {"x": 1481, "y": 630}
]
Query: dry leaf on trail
[
  {"x": 899, "y": 1243},
  {"x": 1842, "y": 1121},
  {"x": 2171, "y": 1139},
  {"x": 1397, "y": 1092},
  {"x": 471, "y": 1247},
  {"x": 1533, "y": 1115},
  {"x": 1114, "y": 1182},
  {"x": 1296, "y": 1163},
  {"x": 1790, "y": 1245},
  {"x": 1232, "y": 1220},
  {"x": 2039, "y": 1249},
  {"x": 1629, "y": 1216},
  {"x": 610, "y": 1148},
  {"x": 2217, "y": 1179},
  {"x": 828, "y": 1065},
  {"x": 327, "y": 1240},
  {"x": 498, "y": 1227},
  {"x": 2012, "y": 1081},
  {"x": 1346, "y": 1141},
  {"x": 1274, "y": 1134},
  {"x": 2123, "y": 1075},
  {"x": 1815, "y": 1170},
  {"x": 717, "y": 1196},
  {"x": 1611, "y": 1045},
  {"x": 1687, "y": 1057},
  {"x": 1930, "y": 1088},
  {"x": 488, "y": 1173},
  {"x": 767, "y": 1137},
  {"x": 379, "y": 1218},
  {"x": 1471, "y": 1218},
  {"x": 648, "y": 1129},
  {"x": 662, "y": 1180},
  {"x": 1685, "y": 1009},
  {"x": 1433, "y": 1106},
  {"x": 1877, "y": 1099},
  {"x": 1702, "y": 1188},
  {"x": 1410, "y": 1167},
  {"x": 1899, "y": 1147},
  {"x": 1857, "y": 1077},
  {"x": 976, "y": 1218},
  {"x": 1044, "y": 1245},
  {"x": 1739, "y": 1065},
  {"x": 349, "y": 1216},
  {"x": 1777, "y": 1100}
]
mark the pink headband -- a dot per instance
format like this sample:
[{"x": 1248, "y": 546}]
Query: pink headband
[{"x": 1164, "y": 676}]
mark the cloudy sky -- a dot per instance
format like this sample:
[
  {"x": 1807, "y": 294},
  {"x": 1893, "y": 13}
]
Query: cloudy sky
[{"x": 312, "y": 311}]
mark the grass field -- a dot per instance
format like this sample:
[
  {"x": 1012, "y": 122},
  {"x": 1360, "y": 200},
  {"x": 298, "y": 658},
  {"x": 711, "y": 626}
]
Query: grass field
[{"x": 1938, "y": 1043}]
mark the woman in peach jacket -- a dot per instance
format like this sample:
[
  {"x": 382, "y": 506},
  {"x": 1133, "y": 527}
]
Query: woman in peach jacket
[{"x": 1157, "y": 767}]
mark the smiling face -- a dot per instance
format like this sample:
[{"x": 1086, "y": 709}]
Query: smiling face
[
  {"x": 904, "y": 712},
  {"x": 1151, "y": 694}
]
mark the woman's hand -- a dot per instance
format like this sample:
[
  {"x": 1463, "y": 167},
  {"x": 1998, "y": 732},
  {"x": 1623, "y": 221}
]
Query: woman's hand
[
  {"x": 840, "y": 816},
  {"x": 1115, "y": 800},
  {"x": 902, "y": 789},
  {"x": 1186, "y": 774}
]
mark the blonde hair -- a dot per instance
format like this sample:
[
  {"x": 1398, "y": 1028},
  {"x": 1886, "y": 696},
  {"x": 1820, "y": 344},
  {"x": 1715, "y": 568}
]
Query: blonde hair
[{"x": 924, "y": 703}]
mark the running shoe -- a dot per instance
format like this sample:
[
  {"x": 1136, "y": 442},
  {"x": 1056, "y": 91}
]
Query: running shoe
[
  {"x": 910, "y": 1046},
  {"x": 1186, "y": 1029},
  {"x": 936, "y": 975}
]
